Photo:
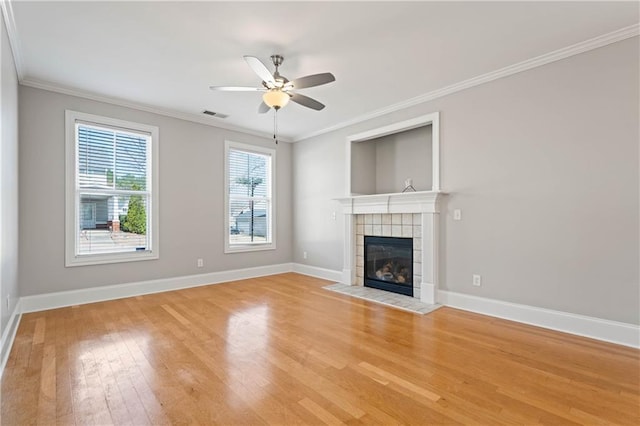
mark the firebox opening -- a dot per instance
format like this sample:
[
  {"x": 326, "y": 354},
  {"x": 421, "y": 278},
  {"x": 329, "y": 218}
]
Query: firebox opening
[{"x": 388, "y": 263}]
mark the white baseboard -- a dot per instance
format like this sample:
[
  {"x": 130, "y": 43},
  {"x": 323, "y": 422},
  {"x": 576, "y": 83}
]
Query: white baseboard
[
  {"x": 595, "y": 328},
  {"x": 9, "y": 335},
  {"x": 314, "y": 271},
  {"x": 62, "y": 299}
]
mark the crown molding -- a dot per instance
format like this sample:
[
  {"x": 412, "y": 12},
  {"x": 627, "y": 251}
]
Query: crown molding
[
  {"x": 14, "y": 41},
  {"x": 538, "y": 61},
  {"x": 52, "y": 87}
]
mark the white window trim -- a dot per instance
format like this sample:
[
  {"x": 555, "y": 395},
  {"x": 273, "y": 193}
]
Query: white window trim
[
  {"x": 241, "y": 248},
  {"x": 72, "y": 209}
]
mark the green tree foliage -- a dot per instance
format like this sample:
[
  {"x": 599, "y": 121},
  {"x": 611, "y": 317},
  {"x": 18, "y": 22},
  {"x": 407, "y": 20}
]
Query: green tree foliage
[
  {"x": 136, "y": 219},
  {"x": 129, "y": 181}
]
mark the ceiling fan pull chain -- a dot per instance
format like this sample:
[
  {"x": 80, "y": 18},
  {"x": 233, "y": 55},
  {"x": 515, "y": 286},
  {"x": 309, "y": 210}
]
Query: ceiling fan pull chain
[{"x": 275, "y": 126}]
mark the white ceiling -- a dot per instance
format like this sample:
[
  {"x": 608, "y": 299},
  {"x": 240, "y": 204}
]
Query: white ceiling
[{"x": 165, "y": 55}]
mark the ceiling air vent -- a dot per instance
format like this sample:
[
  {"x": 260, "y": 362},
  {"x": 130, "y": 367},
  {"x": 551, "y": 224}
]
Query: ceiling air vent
[{"x": 214, "y": 114}]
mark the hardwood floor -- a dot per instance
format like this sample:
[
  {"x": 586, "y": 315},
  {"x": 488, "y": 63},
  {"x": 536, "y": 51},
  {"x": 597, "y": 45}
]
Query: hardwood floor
[{"x": 282, "y": 350}]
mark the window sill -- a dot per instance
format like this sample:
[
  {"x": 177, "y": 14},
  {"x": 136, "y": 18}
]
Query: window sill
[
  {"x": 249, "y": 248},
  {"x": 102, "y": 259}
]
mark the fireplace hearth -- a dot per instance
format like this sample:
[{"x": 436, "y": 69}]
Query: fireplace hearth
[{"x": 388, "y": 264}]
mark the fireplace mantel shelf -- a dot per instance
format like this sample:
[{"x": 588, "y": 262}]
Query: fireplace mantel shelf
[{"x": 404, "y": 202}]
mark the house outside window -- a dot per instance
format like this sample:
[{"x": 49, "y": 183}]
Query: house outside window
[
  {"x": 249, "y": 195},
  {"x": 111, "y": 190}
]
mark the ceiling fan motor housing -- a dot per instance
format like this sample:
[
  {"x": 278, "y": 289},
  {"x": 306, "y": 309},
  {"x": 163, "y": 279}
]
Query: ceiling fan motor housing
[{"x": 280, "y": 79}]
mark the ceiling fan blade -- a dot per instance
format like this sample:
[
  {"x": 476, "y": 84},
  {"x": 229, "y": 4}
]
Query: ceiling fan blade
[
  {"x": 313, "y": 80},
  {"x": 263, "y": 108},
  {"x": 236, "y": 89},
  {"x": 306, "y": 101},
  {"x": 259, "y": 68}
]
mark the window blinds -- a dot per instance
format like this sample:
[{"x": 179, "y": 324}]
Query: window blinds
[
  {"x": 249, "y": 192},
  {"x": 112, "y": 189}
]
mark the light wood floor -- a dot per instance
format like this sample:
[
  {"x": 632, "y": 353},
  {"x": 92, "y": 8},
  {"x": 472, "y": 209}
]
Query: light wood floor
[{"x": 281, "y": 350}]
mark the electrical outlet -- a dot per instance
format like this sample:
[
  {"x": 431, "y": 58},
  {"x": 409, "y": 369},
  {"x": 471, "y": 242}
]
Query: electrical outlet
[
  {"x": 477, "y": 280},
  {"x": 333, "y": 215},
  {"x": 200, "y": 263},
  {"x": 457, "y": 214},
  {"x": 304, "y": 254}
]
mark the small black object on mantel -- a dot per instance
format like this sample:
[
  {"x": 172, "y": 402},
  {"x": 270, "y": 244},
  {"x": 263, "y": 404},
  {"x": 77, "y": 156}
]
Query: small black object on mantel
[{"x": 408, "y": 185}]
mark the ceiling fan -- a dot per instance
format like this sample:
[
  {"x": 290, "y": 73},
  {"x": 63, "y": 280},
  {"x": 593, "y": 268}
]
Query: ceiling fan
[{"x": 278, "y": 90}]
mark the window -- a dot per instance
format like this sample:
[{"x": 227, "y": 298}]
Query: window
[
  {"x": 111, "y": 192},
  {"x": 249, "y": 183}
]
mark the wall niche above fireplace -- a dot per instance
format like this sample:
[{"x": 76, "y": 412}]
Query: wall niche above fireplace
[{"x": 380, "y": 160}]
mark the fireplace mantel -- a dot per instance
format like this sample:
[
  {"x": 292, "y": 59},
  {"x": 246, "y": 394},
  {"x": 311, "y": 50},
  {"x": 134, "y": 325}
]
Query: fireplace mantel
[
  {"x": 425, "y": 203},
  {"x": 404, "y": 202}
]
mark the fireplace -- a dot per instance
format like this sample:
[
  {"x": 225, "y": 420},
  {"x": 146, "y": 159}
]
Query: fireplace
[
  {"x": 388, "y": 264},
  {"x": 412, "y": 215}
]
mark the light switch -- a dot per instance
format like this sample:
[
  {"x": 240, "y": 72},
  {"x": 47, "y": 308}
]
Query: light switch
[{"x": 457, "y": 214}]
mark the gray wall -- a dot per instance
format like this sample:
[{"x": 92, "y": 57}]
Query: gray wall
[
  {"x": 191, "y": 198},
  {"x": 401, "y": 156},
  {"x": 381, "y": 165},
  {"x": 543, "y": 165},
  {"x": 363, "y": 168},
  {"x": 8, "y": 182}
]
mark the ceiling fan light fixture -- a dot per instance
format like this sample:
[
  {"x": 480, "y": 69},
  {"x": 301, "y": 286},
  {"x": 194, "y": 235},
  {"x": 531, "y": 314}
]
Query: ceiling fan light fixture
[{"x": 275, "y": 98}]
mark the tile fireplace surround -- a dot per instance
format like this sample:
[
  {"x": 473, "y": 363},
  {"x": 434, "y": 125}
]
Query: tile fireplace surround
[{"x": 411, "y": 214}]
